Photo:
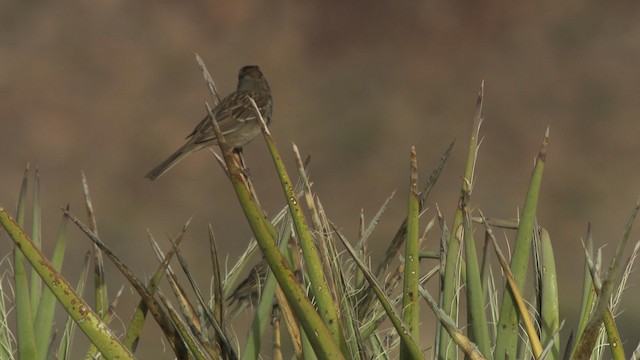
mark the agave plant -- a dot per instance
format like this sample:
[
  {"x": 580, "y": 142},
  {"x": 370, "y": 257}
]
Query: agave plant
[{"x": 325, "y": 290}]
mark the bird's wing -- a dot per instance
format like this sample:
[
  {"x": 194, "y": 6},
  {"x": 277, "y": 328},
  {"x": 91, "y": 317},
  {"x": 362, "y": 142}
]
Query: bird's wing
[
  {"x": 232, "y": 113},
  {"x": 236, "y": 114}
]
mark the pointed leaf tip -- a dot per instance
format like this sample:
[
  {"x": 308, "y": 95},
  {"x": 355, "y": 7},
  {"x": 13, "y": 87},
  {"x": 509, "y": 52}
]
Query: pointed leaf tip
[{"x": 542, "y": 155}]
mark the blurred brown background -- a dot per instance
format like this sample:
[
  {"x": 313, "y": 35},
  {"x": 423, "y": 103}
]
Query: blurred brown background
[{"x": 111, "y": 89}]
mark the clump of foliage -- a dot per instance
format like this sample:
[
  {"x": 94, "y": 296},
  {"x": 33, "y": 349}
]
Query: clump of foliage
[{"x": 331, "y": 297}]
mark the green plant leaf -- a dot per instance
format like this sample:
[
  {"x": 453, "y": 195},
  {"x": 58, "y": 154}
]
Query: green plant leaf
[
  {"x": 507, "y": 338},
  {"x": 449, "y": 301},
  {"x": 87, "y": 320}
]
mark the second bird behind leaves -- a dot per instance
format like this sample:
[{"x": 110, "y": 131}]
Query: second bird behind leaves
[{"x": 236, "y": 118}]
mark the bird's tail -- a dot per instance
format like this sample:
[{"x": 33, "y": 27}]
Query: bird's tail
[{"x": 175, "y": 158}]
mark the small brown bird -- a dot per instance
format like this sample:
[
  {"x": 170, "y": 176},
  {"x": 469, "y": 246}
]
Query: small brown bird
[
  {"x": 235, "y": 115},
  {"x": 248, "y": 292}
]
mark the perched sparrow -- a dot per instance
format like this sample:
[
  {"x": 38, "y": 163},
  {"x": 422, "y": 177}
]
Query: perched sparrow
[
  {"x": 235, "y": 115},
  {"x": 248, "y": 292}
]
